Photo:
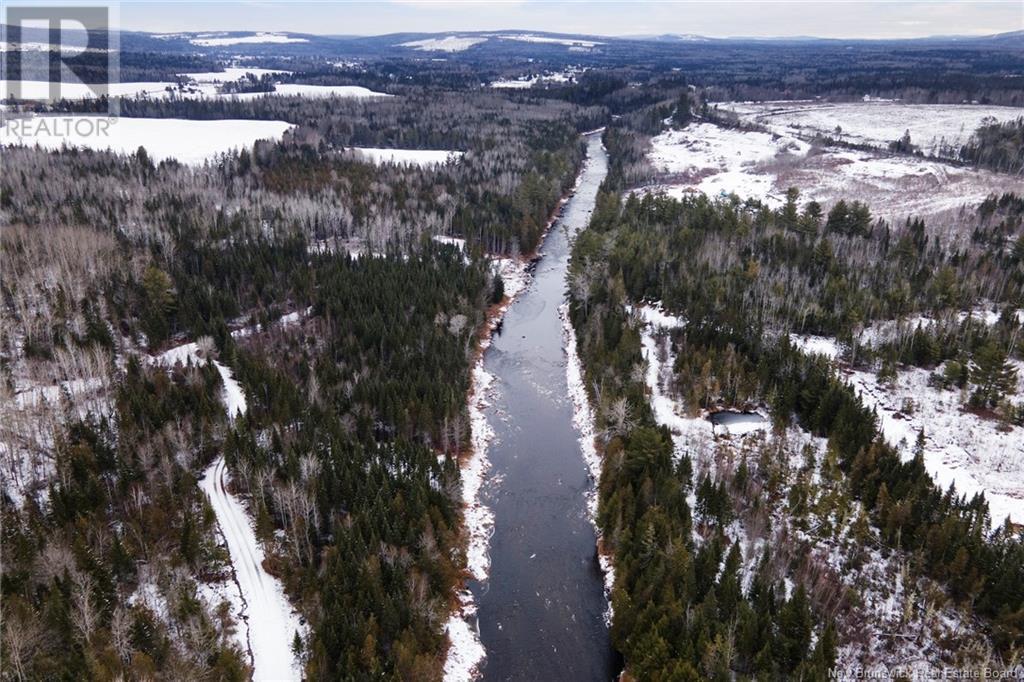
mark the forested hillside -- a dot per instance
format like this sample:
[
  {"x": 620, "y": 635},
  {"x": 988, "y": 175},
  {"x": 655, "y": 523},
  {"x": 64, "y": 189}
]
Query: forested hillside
[
  {"x": 347, "y": 457},
  {"x": 248, "y": 387},
  {"x": 793, "y": 525}
]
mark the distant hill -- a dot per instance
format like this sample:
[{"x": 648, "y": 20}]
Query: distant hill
[{"x": 511, "y": 42}]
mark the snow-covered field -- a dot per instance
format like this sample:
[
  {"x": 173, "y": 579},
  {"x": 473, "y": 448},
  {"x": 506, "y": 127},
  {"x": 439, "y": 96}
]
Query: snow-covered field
[
  {"x": 456, "y": 43},
  {"x": 406, "y": 157},
  {"x": 221, "y": 40},
  {"x": 931, "y": 126},
  {"x": 188, "y": 141},
  {"x": 204, "y": 85},
  {"x": 37, "y": 90},
  {"x": 568, "y": 42},
  {"x": 525, "y": 82},
  {"x": 230, "y": 74},
  {"x": 719, "y": 161},
  {"x": 446, "y": 44},
  {"x": 269, "y": 624},
  {"x": 67, "y": 48},
  {"x": 313, "y": 91},
  {"x": 713, "y": 160}
]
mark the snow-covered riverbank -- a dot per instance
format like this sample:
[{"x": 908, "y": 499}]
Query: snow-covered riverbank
[
  {"x": 466, "y": 652},
  {"x": 583, "y": 420}
]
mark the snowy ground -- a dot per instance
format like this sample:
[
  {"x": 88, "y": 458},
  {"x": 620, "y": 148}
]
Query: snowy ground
[
  {"x": 584, "y": 422},
  {"x": 190, "y": 142},
  {"x": 205, "y": 85},
  {"x": 889, "y": 602},
  {"x": 694, "y": 435},
  {"x": 446, "y": 44},
  {"x": 713, "y": 160},
  {"x": 875, "y": 123},
  {"x": 719, "y": 161},
  {"x": 888, "y": 330},
  {"x": 568, "y": 42},
  {"x": 312, "y": 91},
  {"x": 221, "y": 40},
  {"x": 960, "y": 447},
  {"x": 456, "y": 43},
  {"x": 231, "y": 74},
  {"x": 30, "y": 416},
  {"x": 269, "y": 623},
  {"x": 406, "y": 157},
  {"x": 566, "y": 76},
  {"x": 816, "y": 345},
  {"x": 41, "y": 90}
]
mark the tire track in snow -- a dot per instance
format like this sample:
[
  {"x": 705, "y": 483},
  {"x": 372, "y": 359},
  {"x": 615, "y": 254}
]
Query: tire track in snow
[
  {"x": 271, "y": 621},
  {"x": 267, "y": 616}
]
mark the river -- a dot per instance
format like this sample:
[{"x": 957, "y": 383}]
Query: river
[{"x": 541, "y": 612}]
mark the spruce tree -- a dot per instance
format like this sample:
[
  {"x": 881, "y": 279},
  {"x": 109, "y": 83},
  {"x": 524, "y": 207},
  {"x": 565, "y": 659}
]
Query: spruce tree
[{"x": 992, "y": 374}]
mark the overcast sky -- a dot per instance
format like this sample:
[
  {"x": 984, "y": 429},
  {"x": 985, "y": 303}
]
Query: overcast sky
[{"x": 840, "y": 19}]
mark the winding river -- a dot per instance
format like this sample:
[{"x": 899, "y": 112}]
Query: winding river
[{"x": 541, "y": 612}]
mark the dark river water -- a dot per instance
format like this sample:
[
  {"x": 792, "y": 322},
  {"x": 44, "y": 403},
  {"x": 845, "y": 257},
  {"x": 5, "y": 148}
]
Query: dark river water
[{"x": 541, "y": 612}]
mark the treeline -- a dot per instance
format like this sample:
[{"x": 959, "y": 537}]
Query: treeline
[
  {"x": 519, "y": 159},
  {"x": 742, "y": 277},
  {"x": 999, "y": 146},
  {"x": 93, "y": 66},
  {"x": 841, "y": 270}
]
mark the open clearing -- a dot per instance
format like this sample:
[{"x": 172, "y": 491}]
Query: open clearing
[
  {"x": 41, "y": 90},
  {"x": 221, "y": 40},
  {"x": 446, "y": 44},
  {"x": 406, "y": 157},
  {"x": 931, "y": 126},
  {"x": 190, "y": 142},
  {"x": 719, "y": 161},
  {"x": 313, "y": 91}
]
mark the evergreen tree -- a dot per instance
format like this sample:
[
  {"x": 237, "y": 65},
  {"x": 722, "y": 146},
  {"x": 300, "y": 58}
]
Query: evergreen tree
[{"x": 993, "y": 375}]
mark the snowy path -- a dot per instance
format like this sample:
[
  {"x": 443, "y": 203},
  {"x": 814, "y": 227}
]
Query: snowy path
[{"x": 269, "y": 622}]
